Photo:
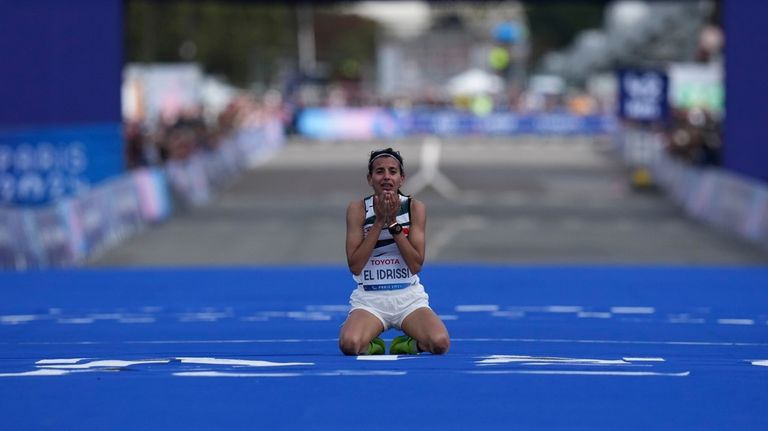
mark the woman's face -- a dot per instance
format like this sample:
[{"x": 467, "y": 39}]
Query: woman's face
[{"x": 385, "y": 175}]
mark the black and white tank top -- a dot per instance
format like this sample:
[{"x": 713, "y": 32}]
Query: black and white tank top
[{"x": 386, "y": 268}]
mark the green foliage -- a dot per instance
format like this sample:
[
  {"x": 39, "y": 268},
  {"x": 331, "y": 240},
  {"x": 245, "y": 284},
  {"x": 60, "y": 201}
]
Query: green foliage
[
  {"x": 342, "y": 40},
  {"x": 243, "y": 41},
  {"x": 554, "y": 24}
]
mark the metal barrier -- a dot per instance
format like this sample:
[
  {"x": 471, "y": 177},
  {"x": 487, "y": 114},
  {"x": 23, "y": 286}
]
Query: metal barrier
[
  {"x": 67, "y": 232},
  {"x": 721, "y": 198}
]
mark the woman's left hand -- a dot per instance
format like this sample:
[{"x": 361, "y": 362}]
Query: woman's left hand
[{"x": 391, "y": 206}]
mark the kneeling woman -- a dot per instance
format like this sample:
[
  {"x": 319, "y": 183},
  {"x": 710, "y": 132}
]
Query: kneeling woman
[{"x": 385, "y": 252}]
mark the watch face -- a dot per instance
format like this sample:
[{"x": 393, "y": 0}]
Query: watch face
[{"x": 395, "y": 229}]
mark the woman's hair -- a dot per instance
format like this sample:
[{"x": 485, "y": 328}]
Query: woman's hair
[{"x": 387, "y": 152}]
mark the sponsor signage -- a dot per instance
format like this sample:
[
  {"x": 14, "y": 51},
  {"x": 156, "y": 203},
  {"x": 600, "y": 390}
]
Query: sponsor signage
[
  {"x": 643, "y": 95},
  {"x": 42, "y": 164},
  {"x": 371, "y": 123}
]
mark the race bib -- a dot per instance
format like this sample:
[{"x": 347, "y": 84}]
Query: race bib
[{"x": 386, "y": 273}]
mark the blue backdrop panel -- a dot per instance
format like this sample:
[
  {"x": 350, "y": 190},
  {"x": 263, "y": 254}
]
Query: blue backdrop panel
[
  {"x": 62, "y": 61},
  {"x": 39, "y": 165},
  {"x": 745, "y": 150},
  {"x": 598, "y": 348},
  {"x": 60, "y": 120}
]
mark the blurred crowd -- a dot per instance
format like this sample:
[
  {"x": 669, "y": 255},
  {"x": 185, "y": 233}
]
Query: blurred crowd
[
  {"x": 179, "y": 135},
  {"x": 691, "y": 134},
  {"x": 694, "y": 133},
  {"x": 514, "y": 99},
  {"x": 694, "y": 136}
]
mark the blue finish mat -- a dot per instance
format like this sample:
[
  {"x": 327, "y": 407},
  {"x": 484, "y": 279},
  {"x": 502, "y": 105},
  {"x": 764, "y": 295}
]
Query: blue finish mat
[{"x": 598, "y": 348}]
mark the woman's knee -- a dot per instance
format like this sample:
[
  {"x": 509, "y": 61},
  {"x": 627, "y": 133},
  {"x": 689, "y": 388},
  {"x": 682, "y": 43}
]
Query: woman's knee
[
  {"x": 351, "y": 345},
  {"x": 440, "y": 343}
]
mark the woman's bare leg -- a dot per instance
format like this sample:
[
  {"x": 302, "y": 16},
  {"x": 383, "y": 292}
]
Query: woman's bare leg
[
  {"x": 428, "y": 330},
  {"x": 357, "y": 332}
]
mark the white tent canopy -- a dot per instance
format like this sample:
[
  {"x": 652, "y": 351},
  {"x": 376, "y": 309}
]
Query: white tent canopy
[{"x": 474, "y": 82}]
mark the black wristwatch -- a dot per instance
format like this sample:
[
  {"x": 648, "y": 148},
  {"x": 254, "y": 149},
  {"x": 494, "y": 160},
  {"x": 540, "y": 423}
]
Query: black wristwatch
[{"x": 395, "y": 228}]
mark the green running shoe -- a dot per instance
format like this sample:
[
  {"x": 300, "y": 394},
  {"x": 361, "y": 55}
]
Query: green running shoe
[
  {"x": 403, "y": 345},
  {"x": 376, "y": 347}
]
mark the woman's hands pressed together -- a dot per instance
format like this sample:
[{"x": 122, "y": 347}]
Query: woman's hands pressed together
[{"x": 386, "y": 206}]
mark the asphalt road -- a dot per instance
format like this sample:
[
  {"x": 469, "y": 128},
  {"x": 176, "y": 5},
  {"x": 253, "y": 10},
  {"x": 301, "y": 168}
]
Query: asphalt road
[{"x": 489, "y": 200}]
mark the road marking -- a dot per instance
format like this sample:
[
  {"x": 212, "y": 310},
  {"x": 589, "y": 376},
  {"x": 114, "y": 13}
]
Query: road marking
[
  {"x": 563, "y": 309},
  {"x": 444, "y": 236},
  {"x": 59, "y": 361},
  {"x": 43, "y": 372},
  {"x": 598, "y": 341},
  {"x": 593, "y": 315},
  {"x": 359, "y": 373},
  {"x": 429, "y": 173},
  {"x": 383, "y": 357},
  {"x": 583, "y": 373},
  {"x": 633, "y": 310},
  {"x": 545, "y": 360},
  {"x": 137, "y": 320},
  {"x": 104, "y": 364},
  {"x": 476, "y": 308},
  {"x": 685, "y": 318},
  {"x": 509, "y": 314},
  {"x": 76, "y": 321},
  {"x": 240, "y": 362},
  {"x": 15, "y": 319},
  {"x": 467, "y": 340},
  {"x": 736, "y": 321},
  {"x": 226, "y": 374}
]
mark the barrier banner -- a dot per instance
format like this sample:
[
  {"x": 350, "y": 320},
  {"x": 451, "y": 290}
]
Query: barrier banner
[
  {"x": 756, "y": 226},
  {"x": 12, "y": 254},
  {"x": 189, "y": 182},
  {"x": 223, "y": 165},
  {"x": 152, "y": 194},
  {"x": 349, "y": 123},
  {"x": 92, "y": 214},
  {"x": 371, "y": 123},
  {"x": 732, "y": 203},
  {"x": 120, "y": 202},
  {"x": 720, "y": 198},
  {"x": 66, "y": 232},
  {"x": 55, "y": 231}
]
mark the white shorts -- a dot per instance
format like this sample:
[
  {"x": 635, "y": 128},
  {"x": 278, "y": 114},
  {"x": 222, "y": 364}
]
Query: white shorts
[{"x": 390, "y": 306}]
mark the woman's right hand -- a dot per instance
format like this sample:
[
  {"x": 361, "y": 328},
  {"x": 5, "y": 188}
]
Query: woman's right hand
[{"x": 384, "y": 209}]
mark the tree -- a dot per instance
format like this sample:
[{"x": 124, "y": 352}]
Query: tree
[{"x": 242, "y": 41}]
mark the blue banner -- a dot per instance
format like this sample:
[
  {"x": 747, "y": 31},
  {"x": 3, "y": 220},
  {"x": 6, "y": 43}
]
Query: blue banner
[
  {"x": 348, "y": 123},
  {"x": 370, "y": 123},
  {"x": 643, "y": 95},
  {"x": 43, "y": 164}
]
